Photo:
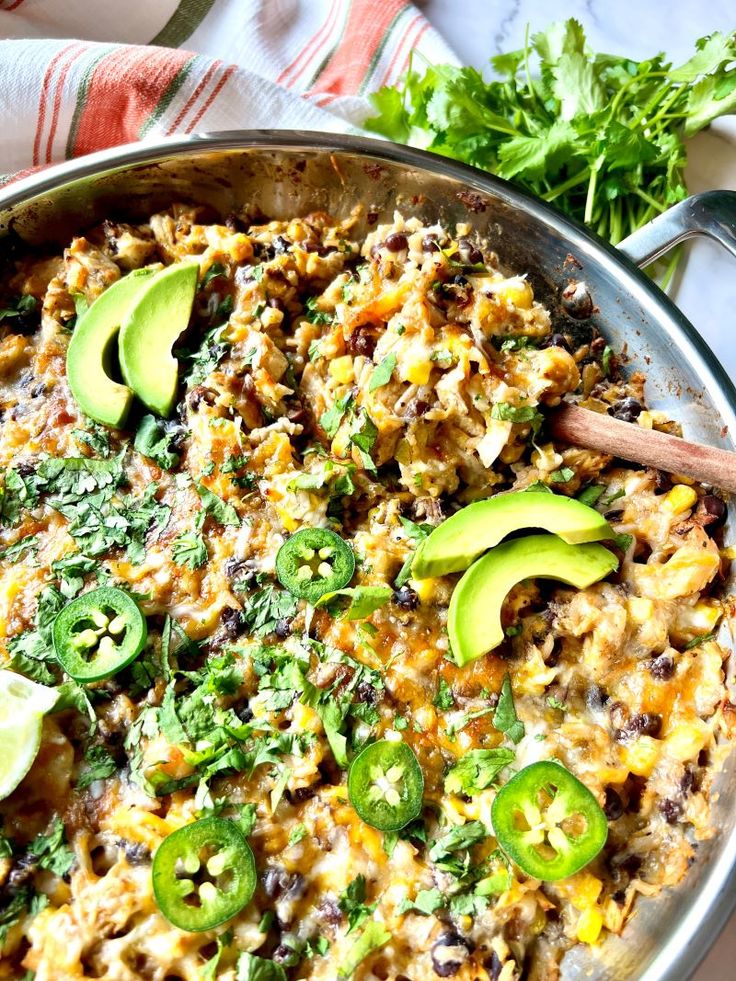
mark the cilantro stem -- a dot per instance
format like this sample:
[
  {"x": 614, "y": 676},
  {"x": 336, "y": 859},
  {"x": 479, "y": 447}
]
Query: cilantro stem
[
  {"x": 589, "y": 200},
  {"x": 649, "y": 200},
  {"x": 571, "y": 182}
]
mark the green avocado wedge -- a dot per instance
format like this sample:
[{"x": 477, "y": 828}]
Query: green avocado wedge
[
  {"x": 92, "y": 350},
  {"x": 457, "y": 542},
  {"x": 474, "y": 618},
  {"x": 151, "y": 326}
]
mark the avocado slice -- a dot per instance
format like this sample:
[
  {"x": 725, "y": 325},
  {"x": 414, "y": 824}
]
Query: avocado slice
[
  {"x": 474, "y": 618},
  {"x": 90, "y": 354},
  {"x": 150, "y": 328},
  {"x": 457, "y": 542}
]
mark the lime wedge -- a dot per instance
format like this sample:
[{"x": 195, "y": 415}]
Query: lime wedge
[{"x": 23, "y": 704}]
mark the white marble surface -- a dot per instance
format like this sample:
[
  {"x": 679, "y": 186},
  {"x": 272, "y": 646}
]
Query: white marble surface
[{"x": 478, "y": 29}]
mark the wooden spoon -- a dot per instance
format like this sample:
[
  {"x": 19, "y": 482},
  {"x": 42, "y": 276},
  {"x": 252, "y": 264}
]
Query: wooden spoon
[{"x": 597, "y": 431}]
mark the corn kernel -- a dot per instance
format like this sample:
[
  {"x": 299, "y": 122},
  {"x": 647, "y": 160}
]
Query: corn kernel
[
  {"x": 424, "y": 588},
  {"x": 516, "y": 291},
  {"x": 640, "y": 610},
  {"x": 589, "y": 926},
  {"x": 680, "y": 498},
  {"x": 586, "y": 891},
  {"x": 418, "y": 372},
  {"x": 706, "y": 616},
  {"x": 341, "y": 369},
  {"x": 286, "y": 519},
  {"x": 641, "y": 757},
  {"x": 686, "y": 740}
]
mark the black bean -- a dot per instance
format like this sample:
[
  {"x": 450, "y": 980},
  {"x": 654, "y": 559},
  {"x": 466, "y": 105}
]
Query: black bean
[
  {"x": 645, "y": 724},
  {"x": 416, "y": 408},
  {"x": 25, "y": 469},
  {"x": 715, "y": 509},
  {"x": 366, "y": 693},
  {"x": 469, "y": 253},
  {"x": 556, "y": 340},
  {"x": 662, "y": 482},
  {"x": 596, "y": 697},
  {"x": 329, "y": 912},
  {"x": 396, "y": 242},
  {"x": 316, "y": 247},
  {"x": 278, "y": 882},
  {"x": 234, "y": 223},
  {"x": 627, "y": 410},
  {"x": 301, "y": 794},
  {"x": 406, "y": 598},
  {"x": 281, "y": 245},
  {"x": 494, "y": 966},
  {"x": 282, "y": 628},
  {"x": 613, "y": 807},
  {"x": 200, "y": 395},
  {"x": 289, "y": 951},
  {"x": 670, "y": 810},
  {"x": 662, "y": 667},
  {"x": 460, "y": 280},
  {"x": 577, "y": 301},
  {"x": 449, "y": 953},
  {"x": 23, "y": 870},
  {"x": 614, "y": 514},
  {"x": 232, "y": 621},
  {"x": 430, "y": 243},
  {"x": 136, "y": 852},
  {"x": 362, "y": 341},
  {"x": 688, "y": 781}
]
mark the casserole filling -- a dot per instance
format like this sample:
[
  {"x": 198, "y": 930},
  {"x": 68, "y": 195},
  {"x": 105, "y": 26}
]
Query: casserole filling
[{"x": 262, "y": 758}]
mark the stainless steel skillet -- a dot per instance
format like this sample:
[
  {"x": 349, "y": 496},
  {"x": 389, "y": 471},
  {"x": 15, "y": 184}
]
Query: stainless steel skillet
[{"x": 281, "y": 174}]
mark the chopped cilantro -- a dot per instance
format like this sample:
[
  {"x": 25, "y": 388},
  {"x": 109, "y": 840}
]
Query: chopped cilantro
[
  {"x": 427, "y": 901},
  {"x": 517, "y": 414},
  {"x": 215, "y": 270},
  {"x": 352, "y": 903},
  {"x": 11, "y": 553},
  {"x": 153, "y": 439},
  {"x": 477, "y": 770},
  {"x": 589, "y": 495},
  {"x": 382, "y": 373},
  {"x": 221, "y": 512},
  {"x": 99, "y": 765},
  {"x": 444, "y": 699},
  {"x": 263, "y": 610},
  {"x": 505, "y": 718},
  {"x": 51, "y": 849},
  {"x": 331, "y": 419},
  {"x": 253, "y": 968},
  {"x": 189, "y": 549},
  {"x": 316, "y": 316},
  {"x": 562, "y": 476}
]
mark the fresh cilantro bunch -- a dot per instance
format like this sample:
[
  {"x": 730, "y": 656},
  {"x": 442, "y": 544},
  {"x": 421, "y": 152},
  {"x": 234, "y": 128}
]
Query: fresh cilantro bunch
[{"x": 601, "y": 136}]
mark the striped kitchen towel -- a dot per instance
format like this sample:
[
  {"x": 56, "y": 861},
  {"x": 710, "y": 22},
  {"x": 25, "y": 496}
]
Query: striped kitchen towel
[{"x": 83, "y": 75}]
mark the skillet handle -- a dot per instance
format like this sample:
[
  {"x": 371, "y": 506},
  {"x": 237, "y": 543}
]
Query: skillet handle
[{"x": 712, "y": 214}]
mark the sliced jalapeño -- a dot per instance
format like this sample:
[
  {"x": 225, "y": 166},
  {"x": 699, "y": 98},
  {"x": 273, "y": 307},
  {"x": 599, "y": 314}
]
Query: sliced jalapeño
[
  {"x": 98, "y": 634},
  {"x": 203, "y": 874},
  {"x": 385, "y": 785},
  {"x": 314, "y": 561},
  {"x": 548, "y": 822}
]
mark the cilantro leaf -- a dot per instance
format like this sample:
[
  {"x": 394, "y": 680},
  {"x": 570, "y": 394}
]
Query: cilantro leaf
[
  {"x": 11, "y": 553},
  {"x": 51, "y": 849},
  {"x": 189, "y": 549},
  {"x": 477, "y": 770},
  {"x": 263, "y": 610},
  {"x": 253, "y": 968},
  {"x": 222, "y": 512},
  {"x": 331, "y": 419},
  {"x": 153, "y": 439},
  {"x": 505, "y": 718},
  {"x": 352, "y": 903},
  {"x": 426, "y": 902},
  {"x": 444, "y": 699},
  {"x": 382, "y": 373},
  {"x": 99, "y": 764}
]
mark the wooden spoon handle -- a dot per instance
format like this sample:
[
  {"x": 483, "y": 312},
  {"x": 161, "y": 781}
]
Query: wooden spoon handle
[{"x": 596, "y": 431}]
